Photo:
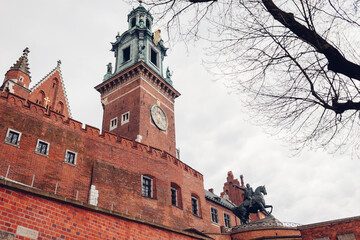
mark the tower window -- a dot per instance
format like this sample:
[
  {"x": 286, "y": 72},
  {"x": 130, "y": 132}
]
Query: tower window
[
  {"x": 227, "y": 220},
  {"x": 214, "y": 215},
  {"x": 70, "y": 157},
  {"x": 13, "y": 137},
  {"x": 154, "y": 57},
  {"x": 113, "y": 123},
  {"x": 21, "y": 78},
  {"x": 195, "y": 205},
  {"x": 42, "y": 147},
  {"x": 147, "y": 186},
  {"x": 175, "y": 191},
  {"x": 125, "y": 118},
  {"x": 133, "y": 22},
  {"x": 147, "y": 24},
  {"x": 174, "y": 194},
  {"x": 126, "y": 54}
]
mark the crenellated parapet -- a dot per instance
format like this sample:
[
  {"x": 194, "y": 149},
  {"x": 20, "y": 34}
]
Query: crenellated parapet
[{"x": 39, "y": 111}]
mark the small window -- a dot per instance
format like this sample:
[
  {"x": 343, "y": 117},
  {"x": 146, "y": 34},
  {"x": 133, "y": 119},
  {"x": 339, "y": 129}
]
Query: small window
[
  {"x": 227, "y": 220},
  {"x": 42, "y": 147},
  {"x": 126, "y": 54},
  {"x": 21, "y": 78},
  {"x": 147, "y": 185},
  {"x": 175, "y": 191},
  {"x": 154, "y": 57},
  {"x": 113, "y": 123},
  {"x": 125, "y": 118},
  {"x": 195, "y": 205},
  {"x": 174, "y": 194},
  {"x": 214, "y": 215},
  {"x": 70, "y": 157},
  {"x": 133, "y": 22},
  {"x": 147, "y": 24},
  {"x": 13, "y": 137}
]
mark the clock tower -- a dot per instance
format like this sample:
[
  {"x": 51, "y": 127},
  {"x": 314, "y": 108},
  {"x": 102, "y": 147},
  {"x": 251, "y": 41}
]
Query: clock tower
[{"x": 138, "y": 100}]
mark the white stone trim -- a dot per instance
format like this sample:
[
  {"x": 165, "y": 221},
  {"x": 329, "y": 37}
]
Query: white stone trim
[
  {"x": 7, "y": 135},
  {"x": 113, "y": 123},
  {"x": 75, "y": 158},
  {"x": 47, "y": 149},
  {"x": 125, "y": 118}
]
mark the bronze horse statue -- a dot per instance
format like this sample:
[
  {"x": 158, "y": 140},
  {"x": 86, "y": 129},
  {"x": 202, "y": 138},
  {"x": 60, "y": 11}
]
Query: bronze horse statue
[{"x": 257, "y": 204}]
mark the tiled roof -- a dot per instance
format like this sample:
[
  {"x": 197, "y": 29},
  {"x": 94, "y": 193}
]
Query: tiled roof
[
  {"x": 22, "y": 64},
  {"x": 219, "y": 200}
]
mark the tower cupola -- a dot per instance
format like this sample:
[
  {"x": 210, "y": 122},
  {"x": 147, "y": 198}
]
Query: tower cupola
[
  {"x": 19, "y": 73},
  {"x": 17, "y": 78},
  {"x": 139, "y": 43},
  {"x": 137, "y": 98}
]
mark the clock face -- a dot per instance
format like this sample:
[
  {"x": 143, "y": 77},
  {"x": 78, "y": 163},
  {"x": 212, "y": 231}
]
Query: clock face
[{"x": 158, "y": 116}]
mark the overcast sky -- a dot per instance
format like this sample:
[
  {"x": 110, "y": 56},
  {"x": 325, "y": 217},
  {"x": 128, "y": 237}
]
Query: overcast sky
[{"x": 213, "y": 130}]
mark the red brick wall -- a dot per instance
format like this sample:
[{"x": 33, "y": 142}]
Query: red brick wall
[
  {"x": 135, "y": 92},
  {"x": 61, "y": 220},
  {"x": 221, "y": 210},
  {"x": 332, "y": 229},
  {"x": 54, "y": 90},
  {"x": 102, "y": 160},
  {"x": 15, "y": 75}
]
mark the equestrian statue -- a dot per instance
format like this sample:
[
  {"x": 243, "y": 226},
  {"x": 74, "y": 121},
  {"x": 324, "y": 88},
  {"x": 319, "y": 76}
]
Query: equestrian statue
[{"x": 253, "y": 203}]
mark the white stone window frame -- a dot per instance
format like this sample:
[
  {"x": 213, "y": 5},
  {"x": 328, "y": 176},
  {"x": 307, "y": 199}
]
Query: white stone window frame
[
  {"x": 7, "y": 135},
  {"x": 75, "y": 158},
  {"x": 114, "y": 126},
  {"x": 216, "y": 212},
  {"x": 229, "y": 218},
  {"x": 151, "y": 186},
  {"x": 47, "y": 149},
  {"x": 125, "y": 118}
]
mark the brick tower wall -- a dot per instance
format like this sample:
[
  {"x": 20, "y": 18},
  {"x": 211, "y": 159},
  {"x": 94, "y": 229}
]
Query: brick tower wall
[{"x": 114, "y": 165}]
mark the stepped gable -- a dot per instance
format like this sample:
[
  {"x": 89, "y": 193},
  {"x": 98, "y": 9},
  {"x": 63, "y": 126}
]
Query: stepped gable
[
  {"x": 50, "y": 92},
  {"x": 22, "y": 64}
]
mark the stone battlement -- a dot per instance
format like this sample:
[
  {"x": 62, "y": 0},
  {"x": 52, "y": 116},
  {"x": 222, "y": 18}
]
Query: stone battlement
[{"x": 92, "y": 132}]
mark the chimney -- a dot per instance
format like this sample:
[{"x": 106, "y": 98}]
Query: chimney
[{"x": 242, "y": 180}]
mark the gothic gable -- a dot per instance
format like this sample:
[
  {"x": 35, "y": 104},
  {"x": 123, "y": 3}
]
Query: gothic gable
[{"x": 50, "y": 93}]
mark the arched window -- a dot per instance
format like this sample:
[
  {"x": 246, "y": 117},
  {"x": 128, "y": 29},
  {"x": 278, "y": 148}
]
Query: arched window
[
  {"x": 147, "y": 24},
  {"x": 133, "y": 22},
  {"x": 195, "y": 205},
  {"x": 176, "y": 199},
  {"x": 55, "y": 82},
  {"x": 41, "y": 97},
  {"x": 60, "y": 107}
]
